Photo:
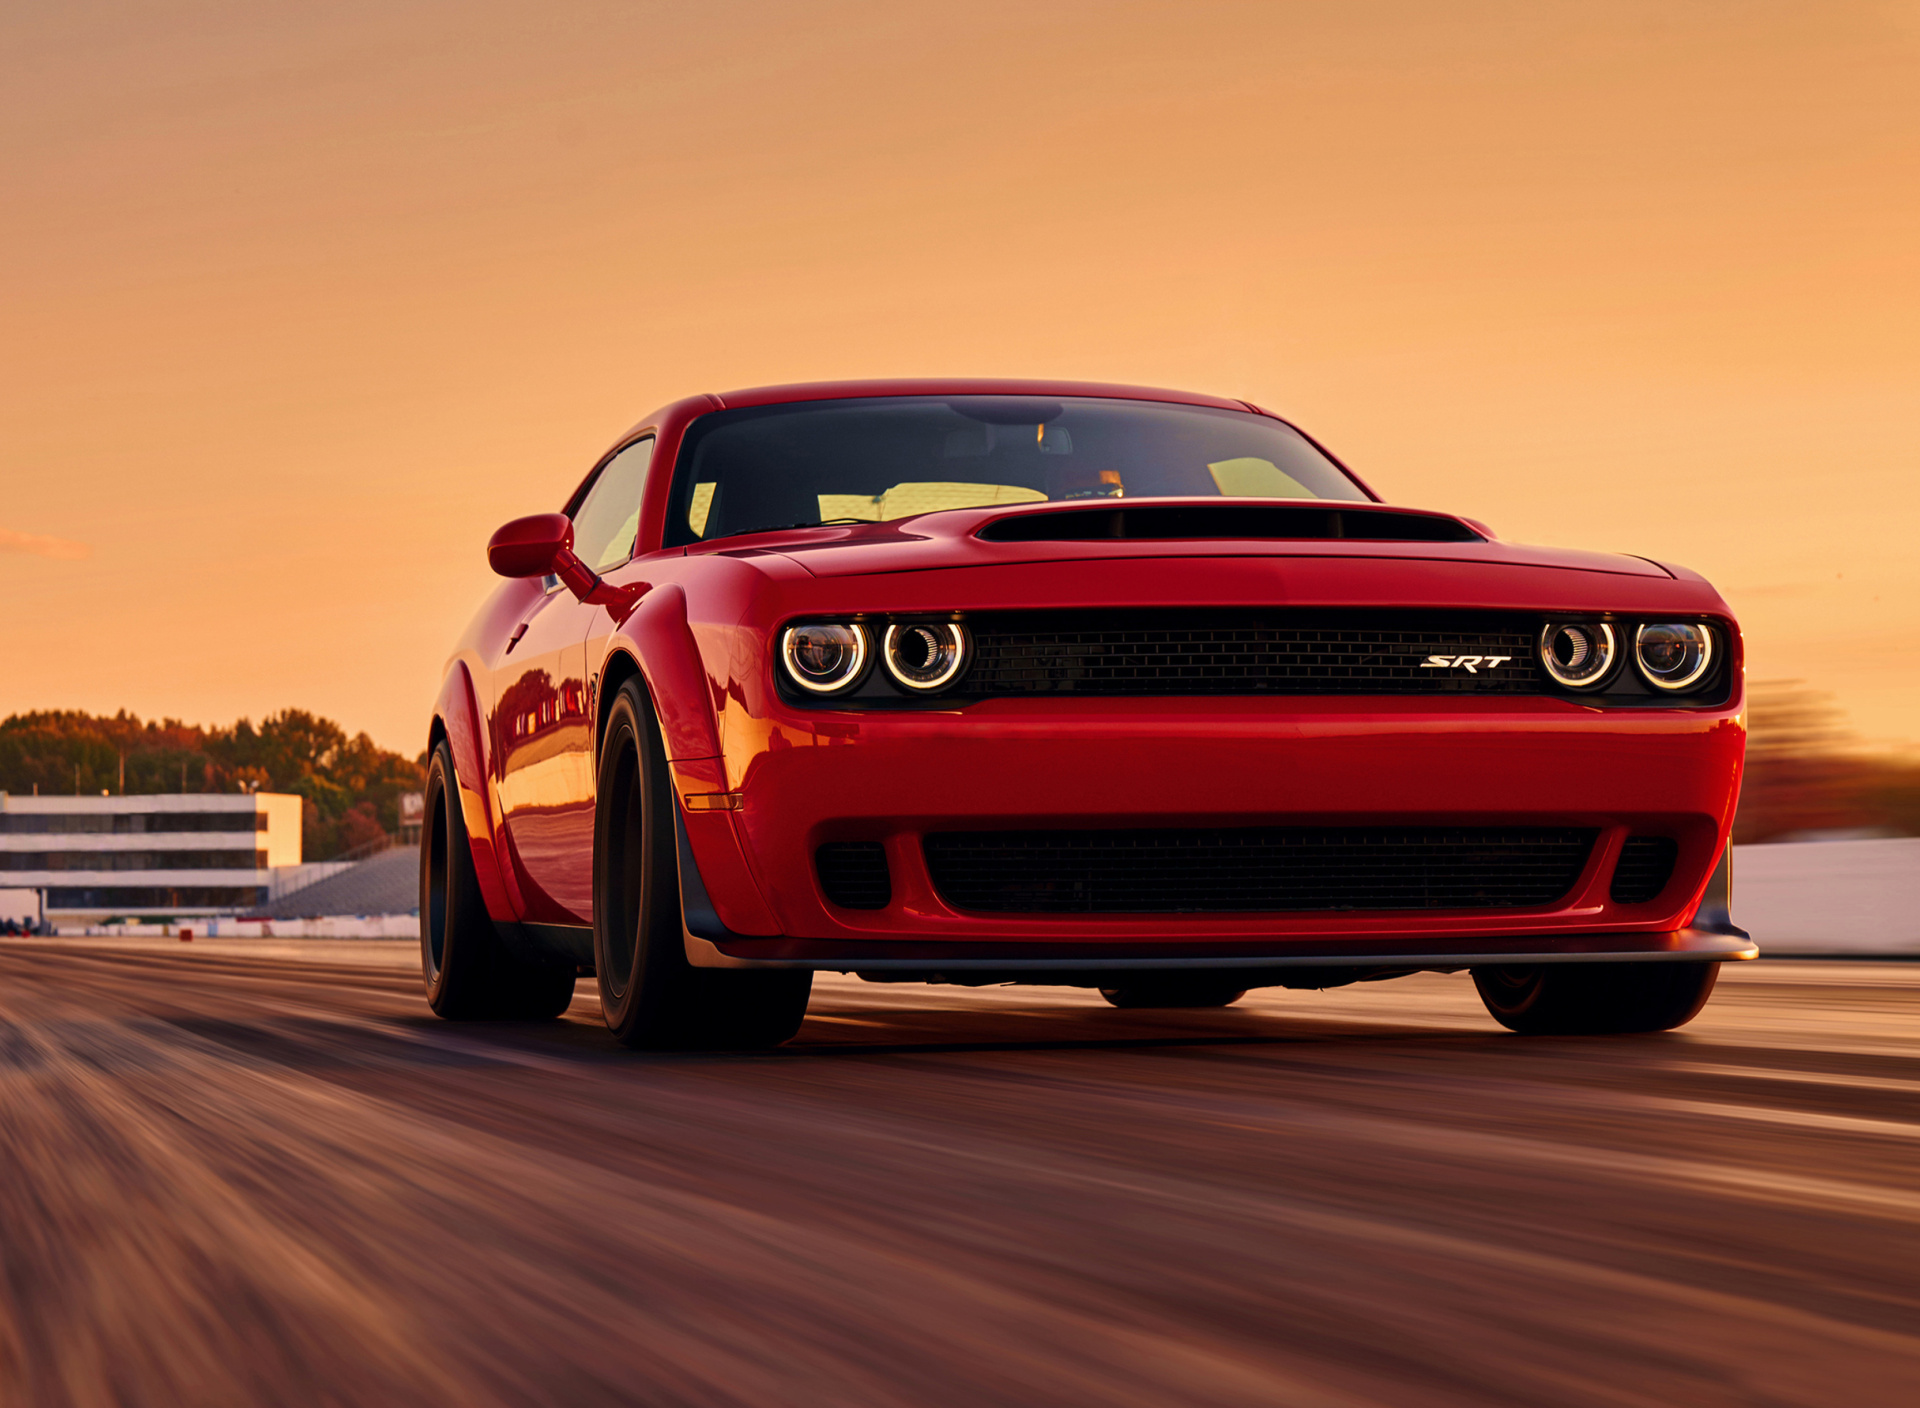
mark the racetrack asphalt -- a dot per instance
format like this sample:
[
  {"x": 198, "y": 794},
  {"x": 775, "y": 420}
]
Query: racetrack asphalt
[{"x": 249, "y": 1172}]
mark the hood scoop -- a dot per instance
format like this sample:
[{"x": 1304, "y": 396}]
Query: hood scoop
[{"x": 1237, "y": 520}]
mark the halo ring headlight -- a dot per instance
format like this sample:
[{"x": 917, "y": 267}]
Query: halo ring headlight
[
  {"x": 924, "y": 658},
  {"x": 1577, "y": 654},
  {"x": 1673, "y": 655},
  {"x": 824, "y": 657}
]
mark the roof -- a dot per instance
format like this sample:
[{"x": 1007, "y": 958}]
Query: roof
[
  {"x": 145, "y": 802},
  {"x": 965, "y": 386}
]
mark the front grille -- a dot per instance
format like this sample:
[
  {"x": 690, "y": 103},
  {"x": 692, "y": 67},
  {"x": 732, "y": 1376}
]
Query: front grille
[
  {"x": 1240, "y": 652},
  {"x": 854, "y": 874},
  {"x": 1644, "y": 867},
  {"x": 1257, "y": 869}
]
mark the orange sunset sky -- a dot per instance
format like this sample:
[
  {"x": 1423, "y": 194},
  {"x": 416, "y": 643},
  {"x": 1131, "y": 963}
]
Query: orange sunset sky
[{"x": 301, "y": 301}]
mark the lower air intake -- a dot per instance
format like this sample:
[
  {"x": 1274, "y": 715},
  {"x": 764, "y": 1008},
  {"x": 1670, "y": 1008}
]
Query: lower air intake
[
  {"x": 853, "y": 874},
  {"x": 1644, "y": 868},
  {"x": 1257, "y": 869}
]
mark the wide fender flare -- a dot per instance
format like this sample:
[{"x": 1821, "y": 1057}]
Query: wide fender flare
[
  {"x": 458, "y": 713},
  {"x": 660, "y": 640},
  {"x": 658, "y": 637}
]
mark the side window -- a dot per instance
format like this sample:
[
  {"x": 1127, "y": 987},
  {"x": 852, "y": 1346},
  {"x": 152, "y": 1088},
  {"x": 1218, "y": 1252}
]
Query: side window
[{"x": 609, "y": 517}]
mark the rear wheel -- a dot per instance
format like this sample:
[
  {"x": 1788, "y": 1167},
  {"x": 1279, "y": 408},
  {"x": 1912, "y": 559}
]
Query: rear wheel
[
  {"x": 1564, "y": 999},
  {"x": 650, "y": 995},
  {"x": 468, "y": 970},
  {"x": 1175, "y": 992}
]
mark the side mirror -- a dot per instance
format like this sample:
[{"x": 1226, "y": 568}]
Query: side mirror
[
  {"x": 528, "y": 546},
  {"x": 537, "y": 545}
]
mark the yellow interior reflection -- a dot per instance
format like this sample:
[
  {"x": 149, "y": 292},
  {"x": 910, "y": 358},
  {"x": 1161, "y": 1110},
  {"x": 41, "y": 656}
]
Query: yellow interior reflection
[
  {"x": 905, "y": 500},
  {"x": 698, "y": 510},
  {"x": 1253, "y": 478}
]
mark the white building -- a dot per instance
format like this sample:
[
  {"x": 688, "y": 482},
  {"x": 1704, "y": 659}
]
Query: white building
[{"x": 99, "y": 858}]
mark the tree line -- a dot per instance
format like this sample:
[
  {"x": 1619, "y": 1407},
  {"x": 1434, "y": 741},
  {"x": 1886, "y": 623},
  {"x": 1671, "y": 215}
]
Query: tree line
[
  {"x": 350, "y": 785},
  {"x": 1808, "y": 772}
]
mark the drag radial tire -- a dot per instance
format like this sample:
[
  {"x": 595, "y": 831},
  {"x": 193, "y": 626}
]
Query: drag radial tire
[
  {"x": 1175, "y": 992},
  {"x": 650, "y": 995},
  {"x": 1567, "y": 999},
  {"x": 469, "y": 971}
]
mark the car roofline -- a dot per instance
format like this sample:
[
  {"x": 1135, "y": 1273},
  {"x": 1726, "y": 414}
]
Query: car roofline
[{"x": 966, "y": 386}]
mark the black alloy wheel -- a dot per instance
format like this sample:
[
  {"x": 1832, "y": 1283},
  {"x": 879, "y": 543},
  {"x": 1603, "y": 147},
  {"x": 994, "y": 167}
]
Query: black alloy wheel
[
  {"x": 1175, "y": 992},
  {"x": 469, "y": 971},
  {"x": 651, "y": 996},
  {"x": 1596, "y": 999}
]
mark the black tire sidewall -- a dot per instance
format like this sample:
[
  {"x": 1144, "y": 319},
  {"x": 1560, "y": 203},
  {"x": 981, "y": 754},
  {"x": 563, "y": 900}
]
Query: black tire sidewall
[
  {"x": 637, "y": 1010},
  {"x": 433, "y": 835},
  {"x": 461, "y": 982}
]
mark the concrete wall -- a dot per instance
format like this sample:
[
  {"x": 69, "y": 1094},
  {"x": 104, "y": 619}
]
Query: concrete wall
[{"x": 1851, "y": 897}]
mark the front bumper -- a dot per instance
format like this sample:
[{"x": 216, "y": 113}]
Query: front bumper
[{"x": 810, "y": 777}]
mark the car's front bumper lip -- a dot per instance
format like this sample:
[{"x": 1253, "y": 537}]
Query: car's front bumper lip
[{"x": 1027, "y": 962}]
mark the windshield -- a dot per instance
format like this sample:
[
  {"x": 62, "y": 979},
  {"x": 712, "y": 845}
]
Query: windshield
[{"x": 888, "y": 457}]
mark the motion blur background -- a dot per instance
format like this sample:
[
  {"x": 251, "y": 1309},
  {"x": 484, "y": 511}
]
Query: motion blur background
[{"x": 303, "y": 300}]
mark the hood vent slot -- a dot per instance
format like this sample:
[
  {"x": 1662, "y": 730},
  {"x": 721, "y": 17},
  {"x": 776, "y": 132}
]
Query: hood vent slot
[{"x": 1237, "y": 520}]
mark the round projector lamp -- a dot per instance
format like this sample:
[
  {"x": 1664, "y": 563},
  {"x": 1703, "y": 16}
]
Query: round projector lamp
[
  {"x": 1577, "y": 654},
  {"x": 824, "y": 657},
  {"x": 924, "y": 658},
  {"x": 1673, "y": 655}
]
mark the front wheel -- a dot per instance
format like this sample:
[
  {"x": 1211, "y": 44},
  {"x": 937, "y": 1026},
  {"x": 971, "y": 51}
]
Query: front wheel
[
  {"x": 650, "y": 995},
  {"x": 1567, "y": 999}
]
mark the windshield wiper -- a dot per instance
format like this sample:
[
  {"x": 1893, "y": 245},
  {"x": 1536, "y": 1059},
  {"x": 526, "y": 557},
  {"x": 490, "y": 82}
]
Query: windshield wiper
[{"x": 782, "y": 527}]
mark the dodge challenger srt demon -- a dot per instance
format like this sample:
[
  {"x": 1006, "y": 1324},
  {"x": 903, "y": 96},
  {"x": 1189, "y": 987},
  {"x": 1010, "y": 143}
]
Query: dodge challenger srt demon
[{"x": 1019, "y": 682}]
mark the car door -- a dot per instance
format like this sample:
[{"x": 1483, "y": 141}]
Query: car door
[{"x": 542, "y": 722}]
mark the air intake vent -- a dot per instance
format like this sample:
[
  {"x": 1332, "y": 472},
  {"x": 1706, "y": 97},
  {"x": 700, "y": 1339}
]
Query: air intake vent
[
  {"x": 1644, "y": 867},
  {"x": 854, "y": 874},
  {"x": 1229, "y": 520},
  {"x": 1257, "y": 869}
]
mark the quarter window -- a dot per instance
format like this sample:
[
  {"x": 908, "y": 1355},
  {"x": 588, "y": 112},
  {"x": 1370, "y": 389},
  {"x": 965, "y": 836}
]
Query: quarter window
[{"x": 608, "y": 519}]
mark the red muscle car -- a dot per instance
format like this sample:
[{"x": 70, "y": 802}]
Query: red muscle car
[{"x": 1020, "y": 682}]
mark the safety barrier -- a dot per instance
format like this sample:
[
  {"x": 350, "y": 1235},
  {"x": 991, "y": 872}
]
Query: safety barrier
[{"x": 1854, "y": 898}]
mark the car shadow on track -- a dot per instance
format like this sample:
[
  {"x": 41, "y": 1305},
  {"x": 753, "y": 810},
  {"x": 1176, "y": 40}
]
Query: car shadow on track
[{"x": 844, "y": 1033}]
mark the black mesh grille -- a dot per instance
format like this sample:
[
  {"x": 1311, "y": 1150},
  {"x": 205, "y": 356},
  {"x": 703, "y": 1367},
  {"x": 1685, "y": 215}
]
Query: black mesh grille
[
  {"x": 1644, "y": 867},
  {"x": 1243, "y": 869},
  {"x": 854, "y": 874},
  {"x": 1238, "y": 652}
]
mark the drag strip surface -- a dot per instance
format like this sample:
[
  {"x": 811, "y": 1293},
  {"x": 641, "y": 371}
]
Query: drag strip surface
[{"x": 241, "y": 1173}]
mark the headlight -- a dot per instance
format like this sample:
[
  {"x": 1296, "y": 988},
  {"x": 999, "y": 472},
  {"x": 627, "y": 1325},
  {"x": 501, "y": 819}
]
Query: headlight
[
  {"x": 824, "y": 658},
  {"x": 924, "y": 658},
  {"x": 1673, "y": 655},
  {"x": 1577, "y": 654}
]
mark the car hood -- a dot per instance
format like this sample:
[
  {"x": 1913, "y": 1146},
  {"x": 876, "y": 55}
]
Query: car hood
[{"x": 984, "y": 538}]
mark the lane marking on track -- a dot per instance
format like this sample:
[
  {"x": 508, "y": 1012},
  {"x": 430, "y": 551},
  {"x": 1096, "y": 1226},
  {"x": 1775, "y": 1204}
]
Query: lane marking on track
[
  {"x": 850, "y": 1021},
  {"x": 1708, "y": 1068},
  {"x": 1798, "y": 1119}
]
